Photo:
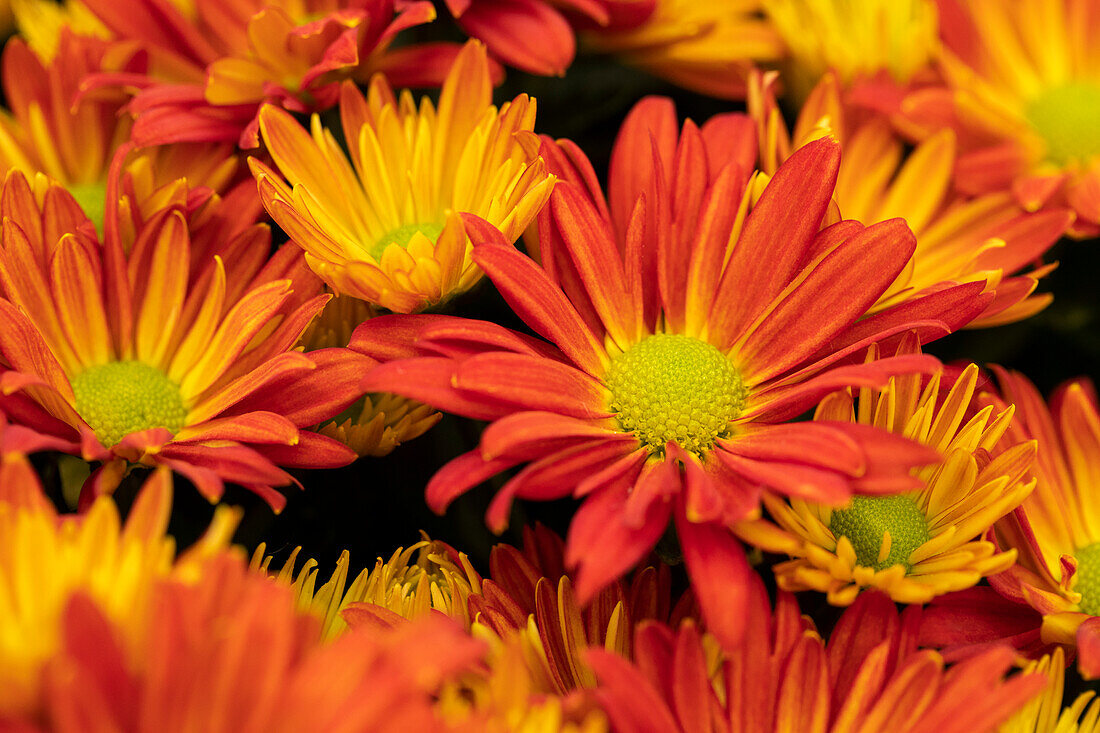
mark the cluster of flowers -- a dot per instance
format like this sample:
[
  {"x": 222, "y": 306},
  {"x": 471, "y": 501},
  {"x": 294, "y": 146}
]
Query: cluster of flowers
[{"x": 729, "y": 279}]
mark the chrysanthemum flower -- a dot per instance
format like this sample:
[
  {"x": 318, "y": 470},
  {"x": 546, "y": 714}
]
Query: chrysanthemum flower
[
  {"x": 919, "y": 544},
  {"x": 685, "y": 332},
  {"x": 45, "y": 560},
  {"x": 883, "y": 42},
  {"x": 158, "y": 356},
  {"x": 706, "y": 47},
  {"x": 1045, "y": 714},
  {"x": 231, "y": 653},
  {"x": 959, "y": 239},
  {"x": 428, "y": 575},
  {"x": 385, "y": 226},
  {"x": 212, "y": 63},
  {"x": 529, "y": 592},
  {"x": 1023, "y": 93},
  {"x": 76, "y": 142},
  {"x": 1056, "y": 533},
  {"x": 868, "y": 678},
  {"x": 376, "y": 423}
]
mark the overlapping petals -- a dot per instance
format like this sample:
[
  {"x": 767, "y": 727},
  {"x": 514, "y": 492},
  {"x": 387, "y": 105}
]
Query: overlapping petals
[
  {"x": 654, "y": 261},
  {"x": 211, "y": 336}
]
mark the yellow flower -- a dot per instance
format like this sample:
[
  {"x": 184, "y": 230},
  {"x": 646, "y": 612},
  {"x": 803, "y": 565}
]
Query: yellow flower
[
  {"x": 857, "y": 39},
  {"x": 42, "y": 23},
  {"x": 386, "y": 226},
  {"x": 1045, "y": 713},
  {"x": 45, "y": 560},
  {"x": 438, "y": 578},
  {"x": 920, "y": 543}
]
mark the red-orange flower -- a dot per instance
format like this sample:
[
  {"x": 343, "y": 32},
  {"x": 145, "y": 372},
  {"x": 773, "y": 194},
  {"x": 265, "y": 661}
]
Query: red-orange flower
[
  {"x": 231, "y": 653},
  {"x": 685, "y": 333},
  {"x": 868, "y": 678},
  {"x": 213, "y": 63},
  {"x": 158, "y": 353}
]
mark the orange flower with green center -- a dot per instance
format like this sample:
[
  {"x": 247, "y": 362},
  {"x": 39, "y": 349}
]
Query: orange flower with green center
[
  {"x": 984, "y": 239},
  {"x": 151, "y": 356},
  {"x": 685, "y": 334},
  {"x": 385, "y": 226},
  {"x": 1023, "y": 93},
  {"x": 919, "y": 544}
]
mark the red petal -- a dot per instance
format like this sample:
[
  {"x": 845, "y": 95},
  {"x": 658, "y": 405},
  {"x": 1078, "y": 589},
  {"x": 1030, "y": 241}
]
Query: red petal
[{"x": 532, "y": 383}]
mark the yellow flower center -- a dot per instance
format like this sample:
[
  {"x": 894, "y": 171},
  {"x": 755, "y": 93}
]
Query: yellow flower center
[
  {"x": 866, "y": 521},
  {"x": 673, "y": 387},
  {"x": 403, "y": 236},
  {"x": 92, "y": 199},
  {"x": 1068, "y": 119},
  {"x": 1088, "y": 578},
  {"x": 122, "y": 397}
]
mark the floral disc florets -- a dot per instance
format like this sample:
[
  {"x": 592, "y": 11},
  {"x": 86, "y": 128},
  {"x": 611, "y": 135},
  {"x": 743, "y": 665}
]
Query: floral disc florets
[
  {"x": 1088, "y": 578},
  {"x": 1068, "y": 119},
  {"x": 867, "y": 519},
  {"x": 674, "y": 387},
  {"x": 122, "y": 397},
  {"x": 403, "y": 237}
]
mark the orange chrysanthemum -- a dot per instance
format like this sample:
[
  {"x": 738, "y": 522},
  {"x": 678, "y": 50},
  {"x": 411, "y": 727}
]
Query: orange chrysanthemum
[
  {"x": 385, "y": 226},
  {"x": 986, "y": 238},
  {"x": 230, "y": 653},
  {"x": 868, "y": 678},
  {"x": 212, "y": 63},
  {"x": 685, "y": 333},
  {"x": 1023, "y": 94},
  {"x": 163, "y": 355}
]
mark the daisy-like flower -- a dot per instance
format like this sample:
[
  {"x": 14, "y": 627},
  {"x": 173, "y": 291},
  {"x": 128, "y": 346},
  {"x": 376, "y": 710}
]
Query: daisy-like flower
[
  {"x": 157, "y": 357},
  {"x": 685, "y": 333},
  {"x": 386, "y": 225},
  {"x": 212, "y": 63},
  {"x": 959, "y": 239},
  {"x": 886, "y": 43},
  {"x": 428, "y": 575},
  {"x": 1052, "y": 595},
  {"x": 1023, "y": 93},
  {"x": 376, "y": 423},
  {"x": 919, "y": 544},
  {"x": 1045, "y": 713},
  {"x": 706, "y": 47},
  {"x": 529, "y": 593},
  {"x": 46, "y": 560},
  {"x": 868, "y": 678},
  {"x": 230, "y": 652},
  {"x": 76, "y": 143}
]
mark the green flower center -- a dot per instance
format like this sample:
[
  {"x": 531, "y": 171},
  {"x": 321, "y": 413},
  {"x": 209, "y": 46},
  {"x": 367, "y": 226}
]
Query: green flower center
[
  {"x": 1068, "y": 118},
  {"x": 673, "y": 387},
  {"x": 1088, "y": 578},
  {"x": 92, "y": 199},
  {"x": 866, "y": 521},
  {"x": 402, "y": 236},
  {"x": 122, "y": 397}
]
